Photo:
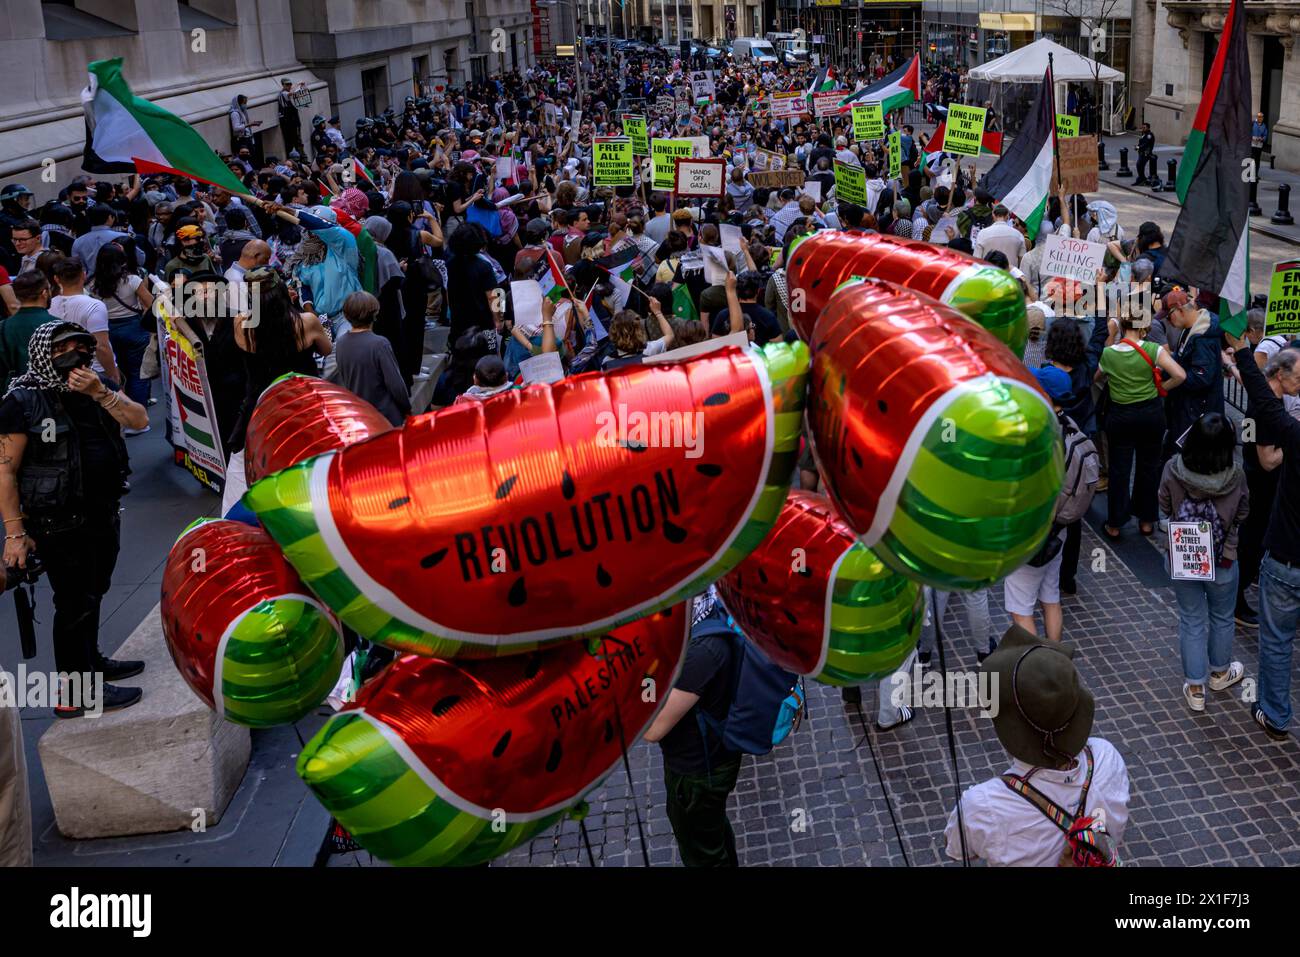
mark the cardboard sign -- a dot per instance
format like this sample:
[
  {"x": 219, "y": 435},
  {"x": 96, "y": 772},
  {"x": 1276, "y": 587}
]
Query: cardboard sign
[
  {"x": 664, "y": 153},
  {"x": 665, "y": 104},
  {"x": 1191, "y": 551},
  {"x": 700, "y": 177},
  {"x": 702, "y": 84},
  {"x": 895, "y": 155},
  {"x": 767, "y": 160},
  {"x": 1078, "y": 157},
  {"x": 850, "y": 183},
  {"x": 964, "y": 130},
  {"x": 1072, "y": 258},
  {"x": 788, "y": 104},
  {"x": 1284, "y": 300},
  {"x": 868, "y": 122},
  {"x": 776, "y": 179},
  {"x": 634, "y": 127},
  {"x": 612, "y": 161},
  {"x": 1066, "y": 125},
  {"x": 576, "y": 125},
  {"x": 828, "y": 103}
]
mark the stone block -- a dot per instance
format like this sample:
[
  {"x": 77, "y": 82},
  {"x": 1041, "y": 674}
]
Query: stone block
[{"x": 149, "y": 768}]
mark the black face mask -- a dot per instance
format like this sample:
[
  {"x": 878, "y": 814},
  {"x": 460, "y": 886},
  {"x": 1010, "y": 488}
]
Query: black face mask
[{"x": 65, "y": 363}]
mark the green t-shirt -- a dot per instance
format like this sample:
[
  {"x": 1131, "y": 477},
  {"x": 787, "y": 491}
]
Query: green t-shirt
[{"x": 1131, "y": 379}]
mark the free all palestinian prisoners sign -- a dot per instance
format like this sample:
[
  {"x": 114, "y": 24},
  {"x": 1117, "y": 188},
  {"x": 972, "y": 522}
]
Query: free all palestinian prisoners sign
[
  {"x": 964, "y": 129},
  {"x": 611, "y": 161}
]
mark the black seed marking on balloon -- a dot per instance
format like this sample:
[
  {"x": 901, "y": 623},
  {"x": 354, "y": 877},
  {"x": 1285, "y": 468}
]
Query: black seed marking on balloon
[
  {"x": 603, "y": 578},
  {"x": 445, "y": 704},
  {"x": 790, "y": 616},
  {"x": 674, "y": 533},
  {"x": 857, "y": 459},
  {"x": 198, "y": 637},
  {"x": 518, "y": 593},
  {"x": 553, "y": 761},
  {"x": 634, "y": 446},
  {"x": 762, "y": 576},
  {"x": 815, "y": 283},
  {"x": 780, "y": 644},
  {"x": 882, "y": 406},
  {"x": 609, "y": 731},
  {"x": 500, "y": 749},
  {"x": 718, "y": 398},
  {"x": 532, "y": 666},
  {"x": 567, "y": 486},
  {"x": 431, "y": 559},
  {"x": 712, "y": 471},
  {"x": 399, "y": 502},
  {"x": 504, "y": 488}
]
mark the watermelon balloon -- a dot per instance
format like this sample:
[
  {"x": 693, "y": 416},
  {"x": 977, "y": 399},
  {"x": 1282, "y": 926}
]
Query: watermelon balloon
[
  {"x": 550, "y": 512},
  {"x": 821, "y": 262},
  {"x": 299, "y": 417},
  {"x": 936, "y": 444},
  {"x": 438, "y": 762},
  {"x": 818, "y": 602},
  {"x": 243, "y": 630}
]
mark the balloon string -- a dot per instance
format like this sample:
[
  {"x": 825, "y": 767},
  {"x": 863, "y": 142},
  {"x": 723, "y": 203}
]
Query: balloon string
[
  {"x": 952, "y": 739},
  {"x": 582, "y": 829},
  {"x": 627, "y": 768},
  {"x": 866, "y": 736}
]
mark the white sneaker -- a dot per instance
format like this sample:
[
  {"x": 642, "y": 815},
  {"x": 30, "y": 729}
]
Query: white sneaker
[
  {"x": 1225, "y": 680},
  {"x": 136, "y": 431},
  {"x": 1195, "y": 699}
]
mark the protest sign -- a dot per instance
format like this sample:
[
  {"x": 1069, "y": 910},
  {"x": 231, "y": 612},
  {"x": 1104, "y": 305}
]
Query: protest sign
[
  {"x": 576, "y": 124},
  {"x": 964, "y": 129},
  {"x": 700, "y": 177},
  {"x": 850, "y": 183},
  {"x": 1284, "y": 300},
  {"x": 1066, "y": 125},
  {"x": 664, "y": 153},
  {"x": 664, "y": 104},
  {"x": 1072, "y": 258},
  {"x": 1191, "y": 551},
  {"x": 634, "y": 127},
  {"x": 788, "y": 104},
  {"x": 895, "y": 155},
  {"x": 813, "y": 188},
  {"x": 701, "y": 144},
  {"x": 196, "y": 440},
  {"x": 775, "y": 179},
  {"x": 828, "y": 103},
  {"x": 768, "y": 160},
  {"x": 612, "y": 161},
  {"x": 702, "y": 83},
  {"x": 868, "y": 122},
  {"x": 1078, "y": 156}
]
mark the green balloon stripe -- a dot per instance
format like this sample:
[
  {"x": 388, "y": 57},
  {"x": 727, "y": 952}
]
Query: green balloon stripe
[
  {"x": 983, "y": 533},
  {"x": 996, "y": 461}
]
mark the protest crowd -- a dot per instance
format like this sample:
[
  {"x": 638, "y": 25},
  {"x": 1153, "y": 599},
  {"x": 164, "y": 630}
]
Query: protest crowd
[{"x": 542, "y": 236}]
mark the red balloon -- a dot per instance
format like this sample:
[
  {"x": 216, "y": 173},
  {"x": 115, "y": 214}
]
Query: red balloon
[
  {"x": 818, "y": 602},
  {"x": 300, "y": 417},
  {"x": 937, "y": 445},
  {"x": 439, "y": 762},
  {"x": 823, "y": 261},
  {"x": 548, "y": 512},
  {"x": 243, "y": 630}
]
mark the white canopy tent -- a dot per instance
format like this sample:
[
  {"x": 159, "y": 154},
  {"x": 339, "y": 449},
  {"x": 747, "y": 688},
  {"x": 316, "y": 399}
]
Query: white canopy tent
[{"x": 1003, "y": 80}]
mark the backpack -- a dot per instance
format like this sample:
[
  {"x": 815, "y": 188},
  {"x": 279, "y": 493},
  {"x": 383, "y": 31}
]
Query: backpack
[
  {"x": 1202, "y": 512},
  {"x": 485, "y": 214},
  {"x": 1086, "y": 842},
  {"x": 1082, "y": 472},
  {"x": 766, "y": 700}
]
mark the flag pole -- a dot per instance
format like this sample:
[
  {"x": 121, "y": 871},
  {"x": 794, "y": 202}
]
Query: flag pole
[{"x": 1051, "y": 103}]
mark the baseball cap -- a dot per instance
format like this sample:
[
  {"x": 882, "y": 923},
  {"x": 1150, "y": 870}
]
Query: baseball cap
[
  {"x": 73, "y": 331},
  {"x": 1175, "y": 298}
]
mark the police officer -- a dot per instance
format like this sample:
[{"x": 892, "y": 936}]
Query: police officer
[
  {"x": 63, "y": 470},
  {"x": 290, "y": 124},
  {"x": 1146, "y": 158},
  {"x": 319, "y": 135}
]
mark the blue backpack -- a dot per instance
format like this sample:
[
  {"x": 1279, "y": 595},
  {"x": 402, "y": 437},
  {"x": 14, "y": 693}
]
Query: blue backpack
[{"x": 767, "y": 701}]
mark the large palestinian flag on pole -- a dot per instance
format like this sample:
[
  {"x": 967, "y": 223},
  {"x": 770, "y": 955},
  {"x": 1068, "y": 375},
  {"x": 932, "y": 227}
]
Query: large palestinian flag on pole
[
  {"x": 1022, "y": 179},
  {"x": 894, "y": 91},
  {"x": 1210, "y": 244},
  {"x": 127, "y": 134}
]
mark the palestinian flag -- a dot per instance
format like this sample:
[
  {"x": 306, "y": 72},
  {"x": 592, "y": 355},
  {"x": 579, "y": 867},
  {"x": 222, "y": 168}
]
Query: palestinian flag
[
  {"x": 366, "y": 181},
  {"x": 550, "y": 275},
  {"x": 991, "y": 143},
  {"x": 1022, "y": 179},
  {"x": 127, "y": 134},
  {"x": 1210, "y": 244},
  {"x": 683, "y": 304},
  {"x": 625, "y": 264},
  {"x": 824, "y": 81},
  {"x": 894, "y": 91}
]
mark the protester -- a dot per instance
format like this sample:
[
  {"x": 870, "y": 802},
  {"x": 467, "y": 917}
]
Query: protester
[{"x": 365, "y": 363}]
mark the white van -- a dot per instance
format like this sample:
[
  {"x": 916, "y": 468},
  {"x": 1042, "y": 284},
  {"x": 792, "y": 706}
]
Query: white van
[{"x": 752, "y": 48}]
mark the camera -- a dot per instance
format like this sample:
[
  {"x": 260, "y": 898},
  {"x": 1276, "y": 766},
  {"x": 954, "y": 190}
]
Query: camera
[
  {"x": 24, "y": 600},
  {"x": 12, "y": 577}
]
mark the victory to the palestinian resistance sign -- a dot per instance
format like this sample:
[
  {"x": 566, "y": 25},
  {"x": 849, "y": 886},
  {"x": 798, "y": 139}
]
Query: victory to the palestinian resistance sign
[
  {"x": 964, "y": 130},
  {"x": 612, "y": 160},
  {"x": 868, "y": 122},
  {"x": 850, "y": 183}
]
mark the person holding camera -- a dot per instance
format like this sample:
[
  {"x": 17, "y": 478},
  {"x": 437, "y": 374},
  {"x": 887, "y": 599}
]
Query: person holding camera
[{"x": 63, "y": 470}]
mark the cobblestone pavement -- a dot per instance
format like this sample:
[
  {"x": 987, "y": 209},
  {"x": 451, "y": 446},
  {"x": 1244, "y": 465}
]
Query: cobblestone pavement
[{"x": 1206, "y": 790}]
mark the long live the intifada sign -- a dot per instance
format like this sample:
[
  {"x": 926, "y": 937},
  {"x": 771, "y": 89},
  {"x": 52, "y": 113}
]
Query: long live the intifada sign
[{"x": 775, "y": 179}]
